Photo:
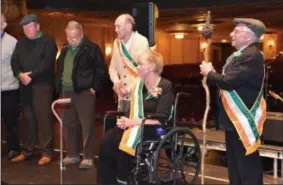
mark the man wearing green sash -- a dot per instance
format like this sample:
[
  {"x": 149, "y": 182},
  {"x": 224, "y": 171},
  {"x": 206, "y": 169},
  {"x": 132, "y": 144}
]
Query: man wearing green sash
[
  {"x": 242, "y": 108},
  {"x": 127, "y": 47}
]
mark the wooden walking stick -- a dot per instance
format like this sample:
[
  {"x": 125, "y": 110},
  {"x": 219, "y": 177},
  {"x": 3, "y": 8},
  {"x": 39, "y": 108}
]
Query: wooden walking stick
[{"x": 206, "y": 32}]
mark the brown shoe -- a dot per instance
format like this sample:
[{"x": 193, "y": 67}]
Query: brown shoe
[
  {"x": 19, "y": 158},
  {"x": 44, "y": 161}
]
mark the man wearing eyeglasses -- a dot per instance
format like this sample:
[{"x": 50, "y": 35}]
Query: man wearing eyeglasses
[
  {"x": 80, "y": 73},
  {"x": 242, "y": 108}
]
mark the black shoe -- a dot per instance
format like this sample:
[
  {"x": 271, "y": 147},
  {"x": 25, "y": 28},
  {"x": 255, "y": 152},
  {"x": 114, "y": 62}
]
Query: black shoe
[{"x": 12, "y": 154}]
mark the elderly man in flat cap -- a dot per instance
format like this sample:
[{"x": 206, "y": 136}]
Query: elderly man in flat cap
[
  {"x": 33, "y": 64},
  {"x": 242, "y": 108}
]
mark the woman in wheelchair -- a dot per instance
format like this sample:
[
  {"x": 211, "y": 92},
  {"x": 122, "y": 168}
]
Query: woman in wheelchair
[{"x": 153, "y": 94}]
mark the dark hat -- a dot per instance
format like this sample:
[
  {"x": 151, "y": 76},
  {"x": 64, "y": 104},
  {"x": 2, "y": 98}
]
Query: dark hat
[
  {"x": 255, "y": 25},
  {"x": 29, "y": 18}
]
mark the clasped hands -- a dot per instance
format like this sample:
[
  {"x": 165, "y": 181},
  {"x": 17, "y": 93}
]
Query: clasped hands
[
  {"x": 206, "y": 67},
  {"x": 25, "y": 78},
  {"x": 124, "y": 123},
  {"x": 120, "y": 89}
]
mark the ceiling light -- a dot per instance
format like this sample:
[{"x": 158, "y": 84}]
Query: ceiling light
[{"x": 179, "y": 35}]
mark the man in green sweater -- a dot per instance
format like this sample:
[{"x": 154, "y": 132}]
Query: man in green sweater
[
  {"x": 80, "y": 73},
  {"x": 33, "y": 63}
]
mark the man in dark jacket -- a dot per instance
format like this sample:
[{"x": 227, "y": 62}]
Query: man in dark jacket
[
  {"x": 242, "y": 106},
  {"x": 80, "y": 73},
  {"x": 33, "y": 63}
]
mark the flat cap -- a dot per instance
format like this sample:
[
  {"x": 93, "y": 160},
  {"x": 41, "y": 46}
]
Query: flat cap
[
  {"x": 255, "y": 25},
  {"x": 29, "y": 18}
]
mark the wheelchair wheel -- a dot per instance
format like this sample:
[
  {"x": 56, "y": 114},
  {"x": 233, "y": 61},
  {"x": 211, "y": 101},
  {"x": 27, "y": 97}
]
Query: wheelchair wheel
[{"x": 177, "y": 158}]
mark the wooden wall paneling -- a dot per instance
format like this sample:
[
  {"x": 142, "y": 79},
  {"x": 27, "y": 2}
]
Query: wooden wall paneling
[
  {"x": 176, "y": 50},
  {"x": 279, "y": 43},
  {"x": 94, "y": 33},
  {"x": 109, "y": 37},
  {"x": 191, "y": 50},
  {"x": 163, "y": 47},
  {"x": 60, "y": 25},
  {"x": 216, "y": 53}
]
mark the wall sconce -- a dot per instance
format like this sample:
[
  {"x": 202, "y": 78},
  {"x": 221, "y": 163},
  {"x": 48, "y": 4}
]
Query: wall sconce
[
  {"x": 262, "y": 37},
  {"x": 179, "y": 35},
  {"x": 200, "y": 28},
  {"x": 203, "y": 46},
  {"x": 224, "y": 41},
  {"x": 59, "y": 50},
  {"x": 108, "y": 49},
  {"x": 270, "y": 44}
]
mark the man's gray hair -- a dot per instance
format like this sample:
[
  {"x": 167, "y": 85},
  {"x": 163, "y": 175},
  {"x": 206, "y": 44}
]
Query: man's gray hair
[
  {"x": 74, "y": 25},
  {"x": 254, "y": 36}
]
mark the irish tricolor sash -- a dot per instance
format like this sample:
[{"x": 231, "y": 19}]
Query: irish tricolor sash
[
  {"x": 248, "y": 123},
  {"x": 127, "y": 58},
  {"x": 131, "y": 136}
]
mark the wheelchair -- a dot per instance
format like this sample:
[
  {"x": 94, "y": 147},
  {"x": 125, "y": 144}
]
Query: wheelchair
[{"x": 166, "y": 154}]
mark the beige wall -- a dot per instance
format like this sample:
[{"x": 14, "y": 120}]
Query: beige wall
[
  {"x": 184, "y": 51},
  {"x": 178, "y": 51},
  {"x": 174, "y": 51}
]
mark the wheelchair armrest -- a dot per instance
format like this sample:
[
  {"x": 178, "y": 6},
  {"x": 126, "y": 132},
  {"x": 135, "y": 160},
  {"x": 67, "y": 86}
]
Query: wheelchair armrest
[
  {"x": 110, "y": 119},
  {"x": 156, "y": 116}
]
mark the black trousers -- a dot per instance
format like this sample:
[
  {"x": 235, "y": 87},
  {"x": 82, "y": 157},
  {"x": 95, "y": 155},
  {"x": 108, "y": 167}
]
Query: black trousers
[
  {"x": 10, "y": 110},
  {"x": 112, "y": 162},
  {"x": 38, "y": 115},
  {"x": 81, "y": 112},
  {"x": 242, "y": 169}
]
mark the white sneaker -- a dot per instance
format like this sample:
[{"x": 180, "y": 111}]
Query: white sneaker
[
  {"x": 86, "y": 164},
  {"x": 71, "y": 160}
]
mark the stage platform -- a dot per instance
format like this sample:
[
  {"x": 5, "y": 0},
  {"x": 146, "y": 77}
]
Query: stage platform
[
  {"x": 28, "y": 172},
  {"x": 215, "y": 140}
]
